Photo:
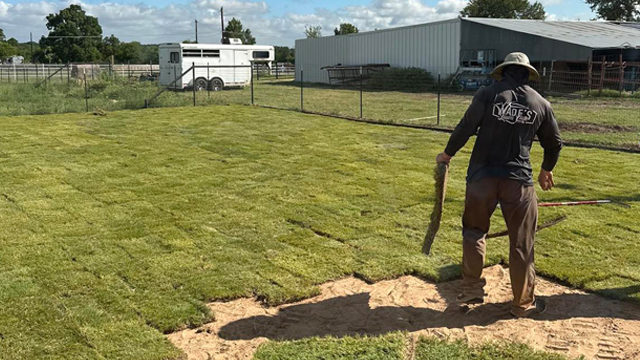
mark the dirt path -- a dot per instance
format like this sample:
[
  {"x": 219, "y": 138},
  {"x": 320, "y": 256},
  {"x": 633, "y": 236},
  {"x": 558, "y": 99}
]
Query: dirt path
[{"x": 576, "y": 323}]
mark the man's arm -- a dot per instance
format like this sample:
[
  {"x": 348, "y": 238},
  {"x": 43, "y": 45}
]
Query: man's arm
[
  {"x": 466, "y": 127},
  {"x": 549, "y": 136}
]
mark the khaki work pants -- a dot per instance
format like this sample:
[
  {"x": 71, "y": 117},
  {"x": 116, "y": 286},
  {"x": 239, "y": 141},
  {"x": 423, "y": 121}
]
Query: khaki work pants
[{"x": 520, "y": 210}]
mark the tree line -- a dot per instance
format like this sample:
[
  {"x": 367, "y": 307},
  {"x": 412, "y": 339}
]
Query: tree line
[{"x": 75, "y": 36}]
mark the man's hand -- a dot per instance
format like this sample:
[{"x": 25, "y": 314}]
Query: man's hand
[
  {"x": 443, "y": 157},
  {"x": 545, "y": 179}
]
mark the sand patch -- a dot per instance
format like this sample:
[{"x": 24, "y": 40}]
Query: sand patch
[{"x": 576, "y": 323}]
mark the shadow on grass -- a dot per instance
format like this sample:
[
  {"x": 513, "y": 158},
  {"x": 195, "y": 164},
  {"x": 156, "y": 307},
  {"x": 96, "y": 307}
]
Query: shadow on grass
[{"x": 352, "y": 315}]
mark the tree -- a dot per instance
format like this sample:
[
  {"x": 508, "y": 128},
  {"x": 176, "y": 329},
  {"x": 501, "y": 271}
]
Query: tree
[
  {"x": 7, "y": 47},
  {"x": 149, "y": 54},
  {"x": 6, "y": 50},
  {"x": 618, "y": 10},
  {"x": 313, "y": 32},
  {"x": 284, "y": 54},
  {"x": 109, "y": 47},
  {"x": 130, "y": 52},
  {"x": 345, "y": 28},
  {"x": 505, "y": 9},
  {"x": 73, "y": 36},
  {"x": 234, "y": 30}
]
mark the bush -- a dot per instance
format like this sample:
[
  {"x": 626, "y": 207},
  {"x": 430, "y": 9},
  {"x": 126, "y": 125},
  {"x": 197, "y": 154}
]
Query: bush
[
  {"x": 610, "y": 93},
  {"x": 401, "y": 79}
]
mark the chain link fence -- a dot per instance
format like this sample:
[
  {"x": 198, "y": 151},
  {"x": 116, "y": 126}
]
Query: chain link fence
[
  {"x": 590, "y": 78},
  {"x": 407, "y": 97}
]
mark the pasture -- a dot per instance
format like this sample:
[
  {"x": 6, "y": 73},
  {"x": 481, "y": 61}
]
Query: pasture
[{"x": 119, "y": 228}]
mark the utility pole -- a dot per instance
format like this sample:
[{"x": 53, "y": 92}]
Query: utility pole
[
  {"x": 196, "y": 31},
  {"x": 222, "y": 24}
]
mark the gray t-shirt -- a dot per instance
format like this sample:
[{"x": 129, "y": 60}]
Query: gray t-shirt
[{"x": 506, "y": 117}]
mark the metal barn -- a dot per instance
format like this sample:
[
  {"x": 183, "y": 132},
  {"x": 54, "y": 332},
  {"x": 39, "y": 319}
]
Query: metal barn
[{"x": 442, "y": 47}]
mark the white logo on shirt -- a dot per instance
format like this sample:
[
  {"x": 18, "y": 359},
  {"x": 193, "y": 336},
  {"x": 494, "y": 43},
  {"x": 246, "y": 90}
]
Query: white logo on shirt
[{"x": 513, "y": 113}]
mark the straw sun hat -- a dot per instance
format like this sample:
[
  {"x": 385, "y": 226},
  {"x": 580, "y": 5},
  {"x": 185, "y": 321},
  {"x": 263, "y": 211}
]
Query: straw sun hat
[{"x": 516, "y": 58}]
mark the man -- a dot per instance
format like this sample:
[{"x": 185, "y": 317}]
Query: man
[{"x": 506, "y": 116}]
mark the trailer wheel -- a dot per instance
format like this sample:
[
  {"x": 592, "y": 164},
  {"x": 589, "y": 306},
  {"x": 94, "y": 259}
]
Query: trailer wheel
[
  {"x": 216, "y": 84},
  {"x": 200, "y": 84}
]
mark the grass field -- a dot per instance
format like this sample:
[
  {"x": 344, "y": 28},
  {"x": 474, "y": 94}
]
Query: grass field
[
  {"x": 395, "y": 346},
  {"x": 601, "y": 121},
  {"x": 118, "y": 228}
]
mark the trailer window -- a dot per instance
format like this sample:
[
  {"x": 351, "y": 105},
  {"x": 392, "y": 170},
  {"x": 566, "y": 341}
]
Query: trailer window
[
  {"x": 174, "y": 57},
  {"x": 260, "y": 54},
  {"x": 211, "y": 53},
  {"x": 191, "y": 53}
]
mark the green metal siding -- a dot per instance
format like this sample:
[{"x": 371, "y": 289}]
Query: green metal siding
[{"x": 476, "y": 36}]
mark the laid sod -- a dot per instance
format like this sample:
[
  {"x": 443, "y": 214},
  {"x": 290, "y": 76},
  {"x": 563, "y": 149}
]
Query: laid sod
[
  {"x": 601, "y": 121},
  {"x": 118, "y": 228},
  {"x": 435, "y": 349},
  {"x": 387, "y": 347},
  {"x": 395, "y": 346}
]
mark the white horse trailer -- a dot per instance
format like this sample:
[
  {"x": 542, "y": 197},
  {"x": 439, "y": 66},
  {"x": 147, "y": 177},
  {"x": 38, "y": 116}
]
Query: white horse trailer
[{"x": 216, "y": 65}]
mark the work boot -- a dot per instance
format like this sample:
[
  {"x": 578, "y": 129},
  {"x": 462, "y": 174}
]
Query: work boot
[{"x": 539, "y": 307}]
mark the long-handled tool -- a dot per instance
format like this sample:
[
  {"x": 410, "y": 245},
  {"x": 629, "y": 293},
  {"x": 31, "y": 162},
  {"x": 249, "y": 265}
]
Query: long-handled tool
[
  {"x": 573, "y": 203},
  {"x": 582, "y": 202},
  {"x": 540, "y": 227},
  {"x": 440, "y": 176}
]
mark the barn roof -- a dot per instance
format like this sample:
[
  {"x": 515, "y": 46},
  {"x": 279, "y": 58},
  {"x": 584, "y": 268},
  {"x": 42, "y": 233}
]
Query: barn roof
[{"x": 593, "y": 34}]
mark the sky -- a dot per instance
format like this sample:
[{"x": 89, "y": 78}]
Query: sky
[{"x": 272, "y": 22}]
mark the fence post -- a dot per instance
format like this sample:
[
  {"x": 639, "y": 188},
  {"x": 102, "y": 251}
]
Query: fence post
[
  {"x": 589, "y": 75},
  {"x": 550, "y": 76},
  {"x": 360, "y": 92},
  {"x": 276, "y": 70},
  {"x": 257, "y": 72},
  {"x": 86, "y": 91},
  {"x": 602, "y": 69},
  {"x": 128, "y": 69},
  {"x": 621, "y": 74},
  {"x": 208, "y": 80},
  {"x": 438, "y": 111},
  {"x": 68, "y": 73},
  {"x": 252, "y": 100},
  {"x": 301, "y": 90},
  {"x": 193, "y": 81},
  {"x": 175, "y": 78},
  {"x": 24, "y": 74}
]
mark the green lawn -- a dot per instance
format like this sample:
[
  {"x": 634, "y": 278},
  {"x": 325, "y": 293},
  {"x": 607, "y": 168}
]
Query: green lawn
[
  {"x": 395, "y": 346},
  {"x": 387, "y": 347},
  {"x": 435, "y": 349},
  {"x": 118, "y": 228},
  {"x": 601, "y": 121}
]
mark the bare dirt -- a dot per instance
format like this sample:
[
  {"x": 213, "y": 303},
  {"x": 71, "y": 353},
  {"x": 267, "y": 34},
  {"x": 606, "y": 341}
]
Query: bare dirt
[
  {"x": 575, "y": 323},
  {"x": 591, "y": 128}
]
